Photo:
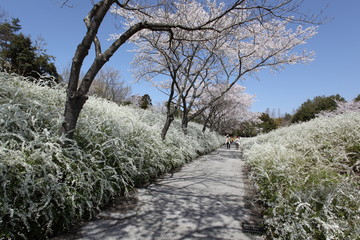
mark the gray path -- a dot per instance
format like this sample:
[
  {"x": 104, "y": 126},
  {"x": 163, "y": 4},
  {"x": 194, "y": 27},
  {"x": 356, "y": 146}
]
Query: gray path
[{"x": 209, "y": 198}]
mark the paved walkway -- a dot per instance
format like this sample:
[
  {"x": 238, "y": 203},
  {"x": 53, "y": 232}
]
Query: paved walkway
[{"x": 209, "y": 198}]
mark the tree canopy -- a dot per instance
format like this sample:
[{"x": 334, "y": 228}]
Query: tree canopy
[
  {"x": 357, "y": 99},
  {"x": 18, "y": 53},
  {"x": 253, "y": 35},
  {"x": 233, "y": 47},
  {"x": 268, "y": 124},
  {"x": 145, "y": 101},
  {"x": 228, "y": 112},
  {"x": 108, "y": 84},
  {"x": 310, "y": 108}
]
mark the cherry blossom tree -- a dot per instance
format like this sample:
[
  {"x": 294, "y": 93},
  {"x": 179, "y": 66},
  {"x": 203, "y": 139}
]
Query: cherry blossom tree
[
  {"x": 228, "y": 111},
  {"x": 192, "y": 61},
  {"x": 259, "y": 33},
  {"x": 189, "y": 67}
]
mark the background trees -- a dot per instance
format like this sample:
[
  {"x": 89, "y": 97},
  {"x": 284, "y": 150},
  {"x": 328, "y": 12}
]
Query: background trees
[
  {"x": 343, "y": 107},
  {"x": 268, "y": 124},
  {"x": 145, "y": 101},
  {"x": 108, "y": 84},
  {"x": 257, "y": 34},
  {"x": 229, "y": 111},
  {"x": 236, "y": 43},
  {"x": 188, "y": 67},
  {"x": 310, "y": 108},
  {"x": 18, "y": 54},
  {"x": 319, "y": 106},
  {"x": 357, "y": 99}
]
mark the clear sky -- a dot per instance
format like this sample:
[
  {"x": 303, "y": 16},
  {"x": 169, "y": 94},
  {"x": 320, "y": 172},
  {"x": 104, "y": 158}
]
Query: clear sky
[{"x": 335, "y": 70}]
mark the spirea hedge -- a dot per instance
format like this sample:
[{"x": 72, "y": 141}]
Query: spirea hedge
[
  {"x": 308, "y": 178},
  {"x": 46, "y": 185}
]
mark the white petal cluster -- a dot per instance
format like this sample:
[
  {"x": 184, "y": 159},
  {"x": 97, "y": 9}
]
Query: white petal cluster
[
  {"x": 206, "y": 43},
  {"x": 241, "y": 34},
  {"x": 233, "y": 107}
]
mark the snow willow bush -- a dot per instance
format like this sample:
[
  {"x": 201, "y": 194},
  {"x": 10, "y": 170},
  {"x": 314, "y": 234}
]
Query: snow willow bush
[
  {"x": 47, "y": 185},
  {"x": 308, "y": 178}
]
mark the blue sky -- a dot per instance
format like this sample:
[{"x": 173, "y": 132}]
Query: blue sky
[{"x": 335, "y": 70}]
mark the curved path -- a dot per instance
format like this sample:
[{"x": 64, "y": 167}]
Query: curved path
[{"x": 209, "y": 198}]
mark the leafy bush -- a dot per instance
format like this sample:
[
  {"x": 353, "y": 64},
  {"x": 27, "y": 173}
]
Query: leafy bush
[
  {"x": 309, "y": 109},
  {"x": 46, "y": 185},
  {"x": 308, "y": 178}
]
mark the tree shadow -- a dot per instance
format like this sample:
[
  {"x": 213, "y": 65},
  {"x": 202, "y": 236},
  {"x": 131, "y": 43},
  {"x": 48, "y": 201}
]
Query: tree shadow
[{"x": 198, "y": 202}]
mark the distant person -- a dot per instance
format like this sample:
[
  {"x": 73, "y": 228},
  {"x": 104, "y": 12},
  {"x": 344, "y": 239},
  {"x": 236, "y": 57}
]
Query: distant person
[
  {"x": 237, "y": 143},
  {"x": 228, "y": 141}
]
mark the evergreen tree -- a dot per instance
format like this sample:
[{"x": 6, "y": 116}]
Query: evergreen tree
[
  {"x": 19, "y": 55},
  {"x": 286, "y": 120},
  {"x": 247, "y": 129},
  {"x": 357, "y": 99},
  {"x": 145, "y": 101},
  {"x": 268, "y": 124},
  {"x": 7, "y": 31},
  {"x": 310, "y": 108}
]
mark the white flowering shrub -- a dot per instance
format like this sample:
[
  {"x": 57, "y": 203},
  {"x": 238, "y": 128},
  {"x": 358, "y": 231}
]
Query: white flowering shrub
[
  {"x": 308, "y": 178},
  {"x": 47, "y": 184}
]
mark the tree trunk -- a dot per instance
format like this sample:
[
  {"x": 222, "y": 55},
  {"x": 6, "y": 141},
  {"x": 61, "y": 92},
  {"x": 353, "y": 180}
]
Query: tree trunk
[
  {"x": 204, "y": 128},
  {"x": 169, "y": 119},
  {"x": 205, "y": 124},
  {"x": 76, "y": 98},
  {"x": 73, "y": 108},
  {"x": 184, "y": 124},
  {"x": 77, "y": 95}
]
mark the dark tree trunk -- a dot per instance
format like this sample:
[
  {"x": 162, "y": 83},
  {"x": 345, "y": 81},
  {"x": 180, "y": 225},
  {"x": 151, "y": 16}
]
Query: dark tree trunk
[
  {"x": 205, "y": 124},
  {"x": 73, "y": 108},
  {"x": 169, "y": 120},
  {"x": 76, "y": 95},
  {"x": 170, "y": 110},
  {"x": 204, "y": 128},
  {"x": 76, "y": 98},
  {"x": 184, "y": 127},
  {"x": 184, "y": 123}
]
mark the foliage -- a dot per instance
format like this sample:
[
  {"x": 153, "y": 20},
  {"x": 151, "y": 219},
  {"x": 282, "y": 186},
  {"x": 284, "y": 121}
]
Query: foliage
[
  {"x": 248, "y": 41},
  {"x": 236, "y": 43},
  {"x": 247, "y": 129},
  {"x": 145, "y": 101},
  {"x": 307, "y": 177},
  {"x": 229, "y": 111},
  {"x": 342, "y": 107},
  {"x": 108, "y": 85},
  {"x": 7, "y": 30},
  {"x": 268, "y": 124},
  {"x": 310, "y": 108},
  {"x": 49, "y": 183},
  {"x": 19, "y": 55},
  {"x": 286, "y": 120}
]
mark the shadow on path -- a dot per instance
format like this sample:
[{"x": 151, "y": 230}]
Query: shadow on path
[{"x": 209, "y": 198}]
